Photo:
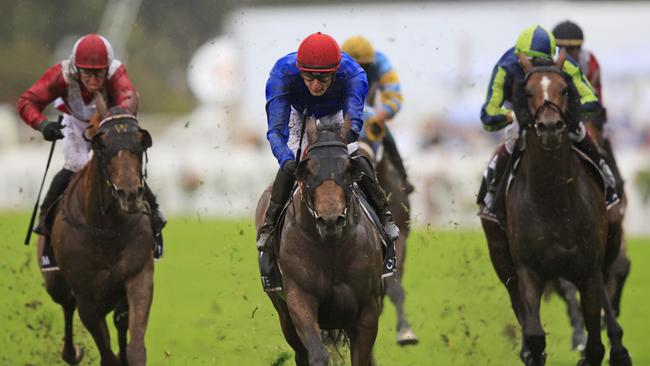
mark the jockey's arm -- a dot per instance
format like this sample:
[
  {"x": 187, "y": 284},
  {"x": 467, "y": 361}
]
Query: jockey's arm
[
  {"x": 278, "y": 110},
  {"x": 355, "y": 94},
  {"x": 390, "y": 90},
  {"x": 121, "y": 92},
  {"x": 493, "y": 116},
  {"x": 44, "y": 91},
  {"x": 590, "y": 105}
]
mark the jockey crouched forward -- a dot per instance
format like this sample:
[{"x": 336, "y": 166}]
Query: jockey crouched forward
[
  {"x": 507, "y": 79},
  {"x": 327, "y": 84},
  {"x": 73, "y": 85},
  {"x": 383, "y": 81}
]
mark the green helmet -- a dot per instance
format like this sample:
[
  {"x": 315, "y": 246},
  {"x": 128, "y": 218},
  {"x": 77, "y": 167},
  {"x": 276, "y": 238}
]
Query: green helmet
[{"x": 535, "y": 41}]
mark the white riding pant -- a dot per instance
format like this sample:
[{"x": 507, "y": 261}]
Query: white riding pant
[
  {"x": 76, "y": 150},
  {"x": 295, "y": 126}
]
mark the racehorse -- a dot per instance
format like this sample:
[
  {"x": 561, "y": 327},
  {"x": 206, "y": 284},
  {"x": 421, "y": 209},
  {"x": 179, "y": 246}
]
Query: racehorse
[
  {"x": 619, "y": 269},
  {"x": 398, "y": 200},
  {"x": 556, "y": 222},
  {"x": 103, "y": 242},
  {"x": 329, "y": 253}
]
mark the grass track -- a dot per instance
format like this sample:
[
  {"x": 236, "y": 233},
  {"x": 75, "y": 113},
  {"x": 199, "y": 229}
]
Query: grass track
[{"x": 209, "y": 308}]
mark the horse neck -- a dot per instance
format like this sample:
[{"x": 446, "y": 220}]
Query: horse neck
[
  {"x": 545, "y": 169},
  {"x": 94, "y": 196}
]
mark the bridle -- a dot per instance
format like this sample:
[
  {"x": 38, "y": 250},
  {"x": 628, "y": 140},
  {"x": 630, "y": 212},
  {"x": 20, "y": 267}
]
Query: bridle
[
  {"x": 121, "y": 126},
  {"x": 547, "y": 103},
  {"x": 335, "y": 149}
]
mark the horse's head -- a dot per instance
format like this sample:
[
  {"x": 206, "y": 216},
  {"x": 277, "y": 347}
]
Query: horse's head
[
  {"x": 118, "y": 144},
  {"x": 326, "y": 177},
  {"x": 547, "y": 94}
]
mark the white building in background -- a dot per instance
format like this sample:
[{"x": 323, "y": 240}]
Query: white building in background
[{"x": 216, "y": 161}]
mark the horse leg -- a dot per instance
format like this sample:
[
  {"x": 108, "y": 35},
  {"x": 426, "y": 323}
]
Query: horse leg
[
  {"x": 139, "y": 294},
  {"x": 531, "y": 288},
  {"x": 506, "y": 271},
  {"x": 618, "y": 355},
  {"x": 96, "y": 325},
  {"x": 121, "y": 322},
  {"x": 289, "y": 330},
  {"x": 303, "y": 310},
  {"x": 70, "y": 353},
  {"x": 395, "y": 292},
  {"x": 618, "y": 273},
  {"x": 568, "y": 292},
  {"x": 591, "y": 299},
  {"x": 363, "y": 334}
]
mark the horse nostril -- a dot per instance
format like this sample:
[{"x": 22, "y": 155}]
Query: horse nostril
[
  {"x": 320, "y": 221},
  {"x": 120, "y": 193},
  {"x": 559, "y": 125},
  {"x": 541, "y": 127},
  {"x": 340, "y": 221}
]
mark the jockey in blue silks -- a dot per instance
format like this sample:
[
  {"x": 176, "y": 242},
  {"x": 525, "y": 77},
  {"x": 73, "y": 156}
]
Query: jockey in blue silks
[{"x": 325, "y": 83}]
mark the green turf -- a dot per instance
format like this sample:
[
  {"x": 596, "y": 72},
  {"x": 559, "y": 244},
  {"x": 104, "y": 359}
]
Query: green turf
[{"x": 209, "y": 308}]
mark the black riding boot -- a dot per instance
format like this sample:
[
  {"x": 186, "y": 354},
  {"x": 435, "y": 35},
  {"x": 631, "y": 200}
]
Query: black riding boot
[
  {"x": 376, "y": 196},
  {"x": 588, "y": 146},
  {"x": 398, "y": 163},
  {"x": 158, "y": 221},
  {"x": 493, "y": 176},
  {"x": 611, "y": 160},
  {"x": 58, "y": 185},
  {"x": 271, "y": 277}
]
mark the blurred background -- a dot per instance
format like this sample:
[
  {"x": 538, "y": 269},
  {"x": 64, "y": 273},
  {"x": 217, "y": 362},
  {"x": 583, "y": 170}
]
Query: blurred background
[{"x": 201, "y": 67}]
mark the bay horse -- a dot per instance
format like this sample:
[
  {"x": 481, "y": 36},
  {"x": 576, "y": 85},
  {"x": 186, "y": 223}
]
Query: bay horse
[
  {"x": 103, "y": 243},
  {"x": 620, "y": 268},
  {"x": 556, "y": 223},
  {"x": 398, "y": 200},
  {"x": 329, "y": 253}
]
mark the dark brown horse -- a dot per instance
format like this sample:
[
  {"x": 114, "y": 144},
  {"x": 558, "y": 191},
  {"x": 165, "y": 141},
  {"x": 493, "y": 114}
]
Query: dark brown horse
[
  {"x": 556, "y": 224},
  {"x": 619, "y": 269},
  {"x": 329, "y": 253},
  {"x": 398, "y": 199},
  {"x": 103, "y": 243}
]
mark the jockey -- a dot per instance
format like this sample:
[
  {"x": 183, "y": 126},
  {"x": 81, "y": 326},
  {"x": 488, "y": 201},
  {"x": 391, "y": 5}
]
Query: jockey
[
  {"x": 327, "y": 84},
  {"x": 569, "y": 36},
  {"x": 497, "y": 112},
  {"x": 382, "y": 79},
  {"x": 73, "y": 85}
]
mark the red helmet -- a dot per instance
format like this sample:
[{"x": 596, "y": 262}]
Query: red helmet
[
  {"x": 319, "y": 53},
  {"x": 92, "y": 51}
]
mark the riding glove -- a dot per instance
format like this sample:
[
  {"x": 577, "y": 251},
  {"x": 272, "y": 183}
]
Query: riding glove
[
  {"x": 289, "y": 167},
  {"x": 51, "y": 130}
]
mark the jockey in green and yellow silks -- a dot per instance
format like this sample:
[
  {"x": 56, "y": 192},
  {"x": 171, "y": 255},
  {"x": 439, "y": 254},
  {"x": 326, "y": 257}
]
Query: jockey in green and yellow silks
[
  {"x": 383, "y": 102},
  {"x": 497, "y": 111}
]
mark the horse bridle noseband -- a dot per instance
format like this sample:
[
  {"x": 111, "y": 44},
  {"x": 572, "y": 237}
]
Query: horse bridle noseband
[
  {"x": 116, "y": 122},
  {"x": 547, "y": 103},
  {"x": 304, "y": 185}
]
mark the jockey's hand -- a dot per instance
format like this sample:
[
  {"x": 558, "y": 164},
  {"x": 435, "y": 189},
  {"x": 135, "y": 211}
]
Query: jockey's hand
[
  {"x": 51, "y": 130},
  {"x": 375, "y": 129},
  {"x": 289, "y": 167},
  {"x": 353, "y": 136}
]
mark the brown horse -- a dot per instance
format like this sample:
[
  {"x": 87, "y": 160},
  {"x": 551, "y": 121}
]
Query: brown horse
[
  {"x": 556, "y": 224},
  {"x": 103, "y": 243},
  {"x": 619, "y": 269},
  {"x": 398, "y": 200},
  {"x": 329, "y": 253}
]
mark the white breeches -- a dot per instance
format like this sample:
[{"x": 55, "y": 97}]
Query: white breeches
[
  {"x": 295, "y": 126},
  {"x": 76, "y": 150}
]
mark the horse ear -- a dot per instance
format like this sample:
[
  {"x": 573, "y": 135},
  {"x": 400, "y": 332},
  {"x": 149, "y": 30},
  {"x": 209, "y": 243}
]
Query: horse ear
[
  {"x": 312, "y": 132},
  {"x": 344, "y": 132},
  {"x": 134, "y": 102},
  {"x": 100, "y": 103},
  {"x": 525, "y": 62},
  {"x": 560, "y": 58}
]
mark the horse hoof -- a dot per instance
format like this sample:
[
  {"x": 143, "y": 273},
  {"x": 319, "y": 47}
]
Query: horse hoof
[
  {"x": 528, "y": 359},
  {"x": 73, "y": 359},
  {"x": 621, "y": 358},
  {"x": 583, "y": 362},
  {"x": 579, "y": 342},
  {"x": 406, "y": 337}
]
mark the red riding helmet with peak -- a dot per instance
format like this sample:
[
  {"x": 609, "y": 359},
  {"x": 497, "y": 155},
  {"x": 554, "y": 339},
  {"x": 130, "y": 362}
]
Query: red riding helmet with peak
[
  {"x": 92, "y": 51},
  {"x": 319, "y": 53}
]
